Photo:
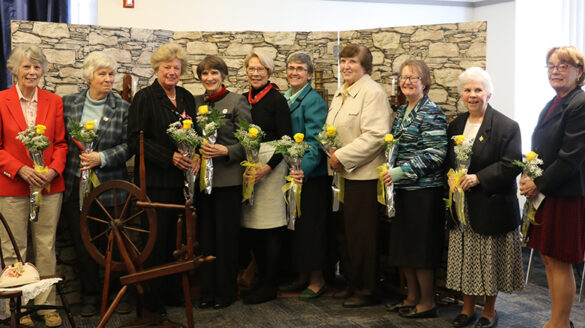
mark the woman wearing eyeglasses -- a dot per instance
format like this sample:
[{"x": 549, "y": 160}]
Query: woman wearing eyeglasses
[
  {"x": 559, "y": 140},
  {"x": 264, "y": 221},
  {"x": 309, "y": 239},
  {"x": 417, "y": 230}
]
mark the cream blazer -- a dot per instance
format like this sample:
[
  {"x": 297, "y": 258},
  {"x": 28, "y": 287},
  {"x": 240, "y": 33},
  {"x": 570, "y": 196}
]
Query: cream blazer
[{"x": 361, "y": 122}]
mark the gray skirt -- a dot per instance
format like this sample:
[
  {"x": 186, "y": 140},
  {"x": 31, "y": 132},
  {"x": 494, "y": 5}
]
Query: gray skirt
[{"x": 484, "y": 265}]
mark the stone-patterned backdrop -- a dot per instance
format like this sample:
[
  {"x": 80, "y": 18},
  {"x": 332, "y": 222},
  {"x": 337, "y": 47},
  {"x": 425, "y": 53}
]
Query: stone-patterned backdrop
[{"x": 448, "y": 49}]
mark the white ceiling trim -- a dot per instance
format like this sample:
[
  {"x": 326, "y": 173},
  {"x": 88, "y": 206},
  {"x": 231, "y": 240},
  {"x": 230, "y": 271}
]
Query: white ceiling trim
[{"x": 453, "y": 3}]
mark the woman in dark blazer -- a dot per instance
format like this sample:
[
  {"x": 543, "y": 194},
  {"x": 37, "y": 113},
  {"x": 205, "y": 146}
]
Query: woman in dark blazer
[
  {"x": 221, "y": 211},
  {"x": 559, "y": 139},
  {"x": 108, "y": 160},
  {"x": 485, "y": 255},
  {"x": 308, "y": 112},
  {"x": 151, "y": 111}
]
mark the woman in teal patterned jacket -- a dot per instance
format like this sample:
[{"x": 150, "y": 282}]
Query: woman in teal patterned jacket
[{"x": 417, "y": 231}]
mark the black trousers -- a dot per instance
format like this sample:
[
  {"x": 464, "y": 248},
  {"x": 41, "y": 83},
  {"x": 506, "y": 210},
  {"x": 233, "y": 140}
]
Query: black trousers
[
  {"x": 357, "y": 234},
  {"x": 219, "y": 233}
]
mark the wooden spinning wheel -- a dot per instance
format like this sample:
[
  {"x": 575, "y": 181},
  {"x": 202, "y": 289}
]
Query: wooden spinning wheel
[
  {"x": 121, "y": 237},
  {"x": 136, "y": 225}
]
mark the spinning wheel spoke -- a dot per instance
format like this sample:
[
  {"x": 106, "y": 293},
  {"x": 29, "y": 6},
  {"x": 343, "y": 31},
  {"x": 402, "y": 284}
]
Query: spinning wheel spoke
[{"x": 137, "y": 226}]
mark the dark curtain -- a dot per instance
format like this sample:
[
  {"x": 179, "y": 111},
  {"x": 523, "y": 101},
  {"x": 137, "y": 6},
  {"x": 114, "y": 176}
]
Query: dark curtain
[{"x": 35, "y": 10}]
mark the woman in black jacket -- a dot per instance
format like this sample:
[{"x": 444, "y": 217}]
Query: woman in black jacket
[
  {"x": 559, "y": 139},
  {"x": 485, "y": 252},
  {"x": 152, "y": 110}
]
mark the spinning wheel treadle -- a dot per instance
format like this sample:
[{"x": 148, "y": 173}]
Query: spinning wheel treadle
[{"x": 137, "y": 225}]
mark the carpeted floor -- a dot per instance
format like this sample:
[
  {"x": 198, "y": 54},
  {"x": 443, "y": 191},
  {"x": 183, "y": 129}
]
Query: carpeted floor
[{"x": 526, "y": 309}]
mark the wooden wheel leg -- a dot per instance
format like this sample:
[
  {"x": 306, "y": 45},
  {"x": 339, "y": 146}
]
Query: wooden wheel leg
[
  {"x": 187, "y": 296},
  {"x": 106, "y": 317},
  {"x": 107, "y": 274}
]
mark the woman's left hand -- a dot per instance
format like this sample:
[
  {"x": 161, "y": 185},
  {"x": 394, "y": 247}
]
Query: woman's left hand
[
  {"x": 387, "y": 178},
  {"x": 196, "y": 164},
  {"x": 297, "y": 175},
  {"x": 89, "y": 161},
  {"x": 469, "y": 181},
  {"x": 49, "y": 176},
  {"x": 210, "y": 150}
]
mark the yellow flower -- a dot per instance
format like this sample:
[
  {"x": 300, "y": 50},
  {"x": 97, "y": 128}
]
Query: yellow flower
[
  {"x": 331, "y": 131},
  {"x": 299, "y": 137},
  {"x": 253, "y": 133},
  {"x": 89, "y": 125},
  {"x": 459, "y": 139},
  {"x": 187, "y": 124},
  {"x": 531, "y": 156},
  {"x": 203, "y": 109},
  {"x": 41, "y": 129},
  {"x": 388, "y": 137}
]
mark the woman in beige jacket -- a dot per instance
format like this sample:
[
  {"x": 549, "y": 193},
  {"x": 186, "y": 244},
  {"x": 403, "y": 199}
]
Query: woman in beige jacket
[{"x": 361, "y": 113}]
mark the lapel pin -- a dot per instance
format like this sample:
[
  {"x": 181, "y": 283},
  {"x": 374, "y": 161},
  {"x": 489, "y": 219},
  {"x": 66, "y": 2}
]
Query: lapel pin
[
  {"x": 106, "y": 119},
  {"x": 481, "y": 138}
]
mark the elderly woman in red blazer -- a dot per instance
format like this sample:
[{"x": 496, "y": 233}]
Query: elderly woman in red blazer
[{"x": 24, "y": 105}]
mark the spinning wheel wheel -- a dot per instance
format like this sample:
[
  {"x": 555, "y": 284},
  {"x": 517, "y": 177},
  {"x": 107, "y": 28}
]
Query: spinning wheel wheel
[{"x": 136, "y": 225}]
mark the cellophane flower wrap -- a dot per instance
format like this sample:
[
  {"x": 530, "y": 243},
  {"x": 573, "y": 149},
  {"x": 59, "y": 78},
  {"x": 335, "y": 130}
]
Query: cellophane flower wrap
[
  {"x": 36, "y": 142},
  {"x": 250, "y": 137},
  {"x": 293, "y": 151},
  {"x": 385, "y": 193},
  {"x": 187, "y": 140},
  {"x": 531, "y": 168},
  {"x": 209, "y": 120},
  {"x": 463, "y": 154},
  {"x": 328, "y": 139},
  {"x": 84, "y": 136}
]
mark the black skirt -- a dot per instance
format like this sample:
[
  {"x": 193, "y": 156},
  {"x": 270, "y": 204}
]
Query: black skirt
[
  {"x": 416, "y": 239},
  {"x": 309, "y": 239}
]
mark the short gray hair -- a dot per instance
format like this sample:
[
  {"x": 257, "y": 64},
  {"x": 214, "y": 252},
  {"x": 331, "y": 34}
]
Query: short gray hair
[
  {"x": 30, "y": 52},
  {"x": 476, "y": 74},
  {"x": 95, "y": 61},
  {"x": 302, "y": 58},
  {"x": 264, "y": 59}
]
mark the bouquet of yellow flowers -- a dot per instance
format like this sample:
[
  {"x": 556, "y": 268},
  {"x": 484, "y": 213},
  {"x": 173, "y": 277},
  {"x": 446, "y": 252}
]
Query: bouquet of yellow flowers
[
  {"x": 386, "y": 193},
  {"x": 36, "y": 142},
  {"x": 209, "y": 120},
  {"x": 187, "y": 141},
  {"x": 83, "y": 135},
  {"x": 463, "y": 154},
  {"x": 250, "y": 137},
  {"x": 531, "y": 168},
  {"x": 328, "y": 139},
  {"x": 293, "y": 151}
]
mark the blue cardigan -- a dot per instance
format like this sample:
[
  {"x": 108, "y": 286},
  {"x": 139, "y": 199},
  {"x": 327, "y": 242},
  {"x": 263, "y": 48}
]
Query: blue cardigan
[{"x": 308, "y": 113}]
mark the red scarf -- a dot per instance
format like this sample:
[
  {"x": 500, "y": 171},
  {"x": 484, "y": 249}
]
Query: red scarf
[
  {"x": 217, "y": 95},
  {"x": 261, "y": 94}
]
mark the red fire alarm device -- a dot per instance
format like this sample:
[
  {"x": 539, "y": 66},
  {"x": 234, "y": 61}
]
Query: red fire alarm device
[{"x": 128, "y": 3}]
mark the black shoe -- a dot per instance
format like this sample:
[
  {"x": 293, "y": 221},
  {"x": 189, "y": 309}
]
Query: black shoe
[
  {"x": 88, "y": 310},
  {"x": 264, "y": 294},
  {"x": 293, "y": 286},
  {"x": 486, "y": 323},
  {"x": 123, "y": 307},
  {"x": 221, "y": 305},
  {"x": 343, "y": 294},
  {"x": 463, "y": 320},
  {"x": 359, "y": 301},
  {"x": 205, "y": 304},
  {"x": 413, "y": 314},
  {"x": 571, "y": 324},
  {"x": 397, "y": 307}
]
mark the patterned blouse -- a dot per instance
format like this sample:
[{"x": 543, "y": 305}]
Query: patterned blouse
[{"x": 422, "y": 147}]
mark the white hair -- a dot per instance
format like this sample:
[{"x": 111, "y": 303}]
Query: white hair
[
  {"x": 476, "y": 74},
  {"x": 95, "y": 61}
]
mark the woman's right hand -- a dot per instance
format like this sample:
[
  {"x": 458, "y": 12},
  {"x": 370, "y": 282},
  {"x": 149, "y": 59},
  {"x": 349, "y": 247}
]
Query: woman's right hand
[
  {"x": 183, "y": 163},
  {"x": 297, "y": 175},
  {"x": 258, "y": 174},
  {"x": 32, "y": 177}
]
